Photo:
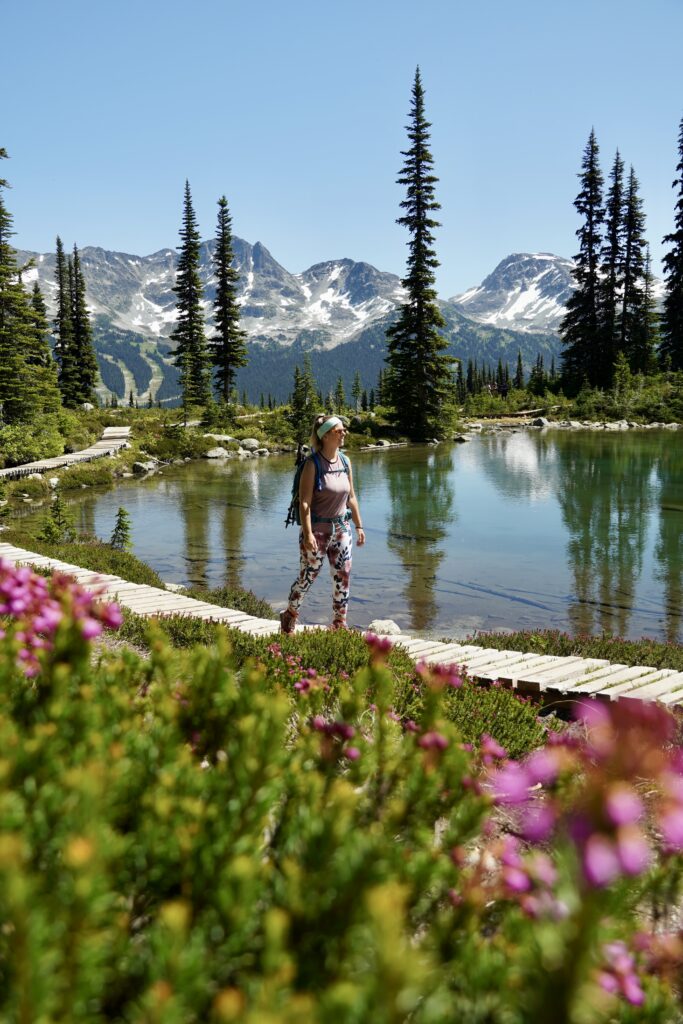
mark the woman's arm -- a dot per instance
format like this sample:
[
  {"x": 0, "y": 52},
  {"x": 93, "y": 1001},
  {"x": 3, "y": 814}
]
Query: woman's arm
[
  {"x": 355, "y": 512},
  {"x": 306, "y": 484}
]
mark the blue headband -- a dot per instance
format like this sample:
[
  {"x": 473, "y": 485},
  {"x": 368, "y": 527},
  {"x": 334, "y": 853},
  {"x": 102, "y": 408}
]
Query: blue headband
[{"x": 334, "y": 421}]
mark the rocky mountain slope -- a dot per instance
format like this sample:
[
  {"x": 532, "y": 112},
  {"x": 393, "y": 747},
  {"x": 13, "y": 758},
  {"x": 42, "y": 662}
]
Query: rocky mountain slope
[{"x": 337, "y": 310}]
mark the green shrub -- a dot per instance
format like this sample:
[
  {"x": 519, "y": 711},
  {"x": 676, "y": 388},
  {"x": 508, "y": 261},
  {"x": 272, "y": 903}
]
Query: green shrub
[
  {"x": 185, "y": 841},
  {"x": 234, "y": 597},
  {"x": 89, "y": 554},
  {"x": 89, "y": 474},
  {"x": 35, "y": 487},
  {"x": 21, "y": 443},
  {"x": 335, "y": 656}
]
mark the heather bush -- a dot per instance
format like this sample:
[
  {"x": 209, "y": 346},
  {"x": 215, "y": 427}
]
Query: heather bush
[
  {"x": 89, "y": 474},
  {"x": 183, "y": 840},
  {"x": 88, "y": 553}
]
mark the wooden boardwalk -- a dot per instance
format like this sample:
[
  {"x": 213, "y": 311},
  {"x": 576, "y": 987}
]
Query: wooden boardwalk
[
  {"x": 545, "y": 677},
  {"x": 112, "y": 439}
]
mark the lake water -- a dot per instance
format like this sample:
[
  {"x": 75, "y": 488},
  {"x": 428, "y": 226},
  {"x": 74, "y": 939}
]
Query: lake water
[{"x": 580, "y": 531}]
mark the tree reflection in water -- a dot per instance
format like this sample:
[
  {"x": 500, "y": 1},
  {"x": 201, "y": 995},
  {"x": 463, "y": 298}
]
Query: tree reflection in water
[
  {"x": 606, "y": 492},
  {"x": 421, "y": 498},
  {"x": 669, "y": 549}
]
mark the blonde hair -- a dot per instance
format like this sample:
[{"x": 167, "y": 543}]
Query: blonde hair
[{"x": 314, "y": 441}]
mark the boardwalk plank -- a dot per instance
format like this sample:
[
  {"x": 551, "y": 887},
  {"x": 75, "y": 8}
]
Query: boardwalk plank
[
  {"x": 612, "y": 692},
  {"x": 656, "y": 689},
  {"x": 624, "y": 675}
]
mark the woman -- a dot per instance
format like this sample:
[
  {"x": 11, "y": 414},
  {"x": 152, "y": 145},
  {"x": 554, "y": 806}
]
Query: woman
[{"x": 326, "y": 503}]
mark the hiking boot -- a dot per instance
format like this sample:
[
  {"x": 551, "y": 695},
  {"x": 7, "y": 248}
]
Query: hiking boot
[
  {"x": 340, "y": 624},
  {"x": 288, "y": 621}
]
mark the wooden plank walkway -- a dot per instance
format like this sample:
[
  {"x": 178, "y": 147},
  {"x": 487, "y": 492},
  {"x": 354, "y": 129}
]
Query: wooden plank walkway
[
  {"x": 112, "y": 439},
  {"x": 545, "y": 677}
]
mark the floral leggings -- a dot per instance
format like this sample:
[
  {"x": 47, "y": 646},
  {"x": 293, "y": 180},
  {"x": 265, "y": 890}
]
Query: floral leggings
[{"x": 337, "y": 546}]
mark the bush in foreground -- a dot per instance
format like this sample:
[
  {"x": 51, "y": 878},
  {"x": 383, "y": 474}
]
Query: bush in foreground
[{"x": 182, "y": 841}]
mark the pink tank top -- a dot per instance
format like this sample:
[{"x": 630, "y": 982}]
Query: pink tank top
[{"x": 332, "y": 500}]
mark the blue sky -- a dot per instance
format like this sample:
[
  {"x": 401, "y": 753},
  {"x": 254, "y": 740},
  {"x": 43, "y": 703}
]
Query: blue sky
[{"x": 297, "y": 112}]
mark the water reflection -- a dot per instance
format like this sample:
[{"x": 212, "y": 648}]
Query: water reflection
[
  {"x": 421, "y": 508},
  {"x": 606, "y": 495},
  {"x": 581, "y": 531},
  {"x": 669, "y": 547}
]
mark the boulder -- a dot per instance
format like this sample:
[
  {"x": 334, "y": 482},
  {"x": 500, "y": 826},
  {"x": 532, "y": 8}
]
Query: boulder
[
  {"x": 53, "y": 482},
  {"x": 140, "y": 468},
  {"x": 220, "y": 437},
  {"x": 540, "y": 421},
  {"x": 250, "y": 444},
  {"x": 216, "y": 453},
  {"x": 474, "y": 426},
  {"x": 34, "y": 476},
  {"x": 383, "y": 443},
  {"x": 261, "y": 451},
  {"x": 461, "y": 438},
  {"x": 242, "y": 454},
  {"x": 88, "y": 406},
  {"x": 384, "y": 627}
]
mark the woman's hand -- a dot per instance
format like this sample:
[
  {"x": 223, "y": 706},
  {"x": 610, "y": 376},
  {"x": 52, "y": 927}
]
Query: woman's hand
[
  {"x": 310, "y": 543},
  {"x": 360, "y": 536}
]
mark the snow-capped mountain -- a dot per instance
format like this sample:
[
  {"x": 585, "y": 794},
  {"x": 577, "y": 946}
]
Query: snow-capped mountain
[
  {"x": 135, "y": 293},
  {"x": 526, "y": 292}
]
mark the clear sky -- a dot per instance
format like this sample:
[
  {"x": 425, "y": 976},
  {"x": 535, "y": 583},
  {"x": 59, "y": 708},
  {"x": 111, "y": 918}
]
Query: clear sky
[{"x": 297, "y": 110}]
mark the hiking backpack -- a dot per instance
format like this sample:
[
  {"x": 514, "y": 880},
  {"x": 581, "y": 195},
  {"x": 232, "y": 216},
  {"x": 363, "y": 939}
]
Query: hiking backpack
[{"x": 293, "y": 512}]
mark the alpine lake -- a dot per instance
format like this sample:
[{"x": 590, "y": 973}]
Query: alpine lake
[{"x": 524, "y": 529}]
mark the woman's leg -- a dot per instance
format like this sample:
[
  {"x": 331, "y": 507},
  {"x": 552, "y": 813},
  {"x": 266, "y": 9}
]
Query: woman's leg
[
  {"x": 339, "y": 557},
  {"x": 310, "y": 563}
]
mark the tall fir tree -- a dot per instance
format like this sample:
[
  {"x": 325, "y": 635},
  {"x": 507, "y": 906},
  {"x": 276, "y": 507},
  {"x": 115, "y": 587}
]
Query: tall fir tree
[
  {"x": 671, "y": 349},
  {"x": 81, "y": 335},
  {"x": 357, "y": 391},
  {"x": 421, "y": 378},
  {"x": 39, "y": 356},
  {"x": 633, "y": 299},
  {"x": 518, "y": 379},
  {"x": 612, "y": 273},
  {"x": 63, "y": 327},
  {"x": 304, "y": 400},
  {"x": 228, "y": 346},
  {"x": 580, "y": 326},
  {"x": 14, "y": 322},
  {"x": 190, "y": 355},
  {"x": 339, "y": 396}
]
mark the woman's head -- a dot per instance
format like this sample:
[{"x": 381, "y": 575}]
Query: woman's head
[{"x": 325, "y": 425}]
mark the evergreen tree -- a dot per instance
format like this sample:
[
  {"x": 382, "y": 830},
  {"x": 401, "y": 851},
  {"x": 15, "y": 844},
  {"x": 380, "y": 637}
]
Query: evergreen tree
[
  {"x": 63, "y": 325},
  {"x": 364, "y": 401},
  {"x": 303, "y": 401},
  {"x": 633, "y": 300},
  {"x": 646, "y": 337},
  {"x": 537, "y": 377},
  {"x": 16, "y": 392},
  {"x": 671, "y": 349},
  {"x": 372, "y": 400},
  {"x": 460, "y": 390},
  {"x": 580, "y": 326},
  {"x": 190, "y": 354},
  {"x": 339, "y": 396},
  {"x": 39, "y": 357},
  {"x": 228, "y": 346},
  {"x": 612, "y": 273},
  {"x": 121, "y": 535},
  {"x": 421, "y": 378},
  {"x": 470, "y": 382},
  {"x": 131, "y": 400},
  {"x": 58, "y": 526},
  {"x": 81, "y": 335},
  {"x": 518, "y": 381},
  {"x": 357, "y": 391}
]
